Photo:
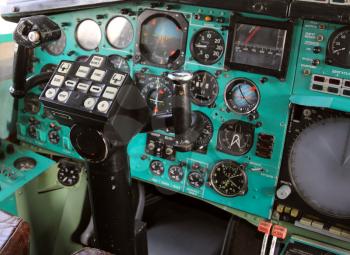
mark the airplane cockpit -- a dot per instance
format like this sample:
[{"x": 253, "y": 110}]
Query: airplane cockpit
[{"x": 180, "y": 127}]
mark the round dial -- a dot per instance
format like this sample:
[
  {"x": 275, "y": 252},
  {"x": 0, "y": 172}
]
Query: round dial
[
  {"x": 207, "y": 46},
  {"x": 157, "y": 92},
  {"x": 157, "y": 167},
  {"x": 202, "y": 131},
  {"x": 68, "y": 175},
  {"x": 176, "y": 173},
  {"x": 235, "y": 137},
  {"x": 119, "y": 63},
  {"x": 195, "y": 179},
  {"x": 119, "y": 32},
  {"x": 161, "y": 40},
  {"x": 204, "y": 88},
  {"x": 24, "y": 163},
  {"x": 242, "y": 96},
  {"x": 319, "y": 166},
  {"x": 56, "y": 47},
  {"x": 88, "y": 34},
  {"x": 338, "y": 50},
  {"x": 228, "y": 179}
]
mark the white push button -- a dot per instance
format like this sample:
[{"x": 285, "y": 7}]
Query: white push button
[
  {"x": 50, "y": 93},
  {"x": 98, "y": 75},
  {"x": 70, "y": 84},
  {"x": 110, "y": 93},
  {"x": 96, "y": 61},
  {"x": 89, "y": 103},
  {"x": 83, "y": 71},
  {"x": 57, "y": 80},
  {"x": 96, "y": 90},
  {"x": 83, "y": 87},
  {"x": 117, "y": 79},
  {"x": 63, "y": 96},
  {"x": 64, "y": 67},
  {"x": 103, "y": 106}
]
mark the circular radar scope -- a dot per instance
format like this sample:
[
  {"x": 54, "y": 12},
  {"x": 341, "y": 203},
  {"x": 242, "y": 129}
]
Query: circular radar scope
[{"x": 319, "y": 166}]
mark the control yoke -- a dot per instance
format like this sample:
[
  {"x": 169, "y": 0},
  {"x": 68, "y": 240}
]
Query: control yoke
[
  {"x": 105, "y": 110},
  {"x": 29, "y": 33}
]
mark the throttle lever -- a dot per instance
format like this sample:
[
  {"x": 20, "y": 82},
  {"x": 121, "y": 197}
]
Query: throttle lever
[
  {"x": 182, "y": 112},
  {"x": 29, "y": 33}
]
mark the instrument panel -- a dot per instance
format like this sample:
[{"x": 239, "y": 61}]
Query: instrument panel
[{"x": 242, "y": 113}]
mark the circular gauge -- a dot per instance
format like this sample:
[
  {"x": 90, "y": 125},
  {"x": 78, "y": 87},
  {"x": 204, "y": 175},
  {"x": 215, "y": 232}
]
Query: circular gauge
[
  {"x": 68, "y": 175},
  {"x": 195, "y": 179},
  {"x": 56, "y": 47},
  {"x": 338, "y": 49},
  {"x": 228, "y": 179},
  {"x": 242, "y": 96},
  {"x": 158, "y": 93},
  {"x": 176, "y": 173},
  {"x": 88, "y": 34},
  {"x": 25, "y": 163},
  {"x": 31, "y": 103},
  {"x": 162, "y": 40},
  {"x": 207, "y": 46},
  {"x": 119, "y": 32},
  {"x": 157, "y": 167},
  {"x": 235, "y": 137},
  {"x": 319, "y": 166},
  {"x": 119, "y": 63},
  {"x": 202, "y": 131},
  {"x": 204, "y": 88}
]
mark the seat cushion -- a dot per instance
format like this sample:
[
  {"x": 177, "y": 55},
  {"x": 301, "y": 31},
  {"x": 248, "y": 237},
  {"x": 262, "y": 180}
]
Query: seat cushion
[
  {"x": 91, "y": 251},
  {"x": 14, "y": 235}
]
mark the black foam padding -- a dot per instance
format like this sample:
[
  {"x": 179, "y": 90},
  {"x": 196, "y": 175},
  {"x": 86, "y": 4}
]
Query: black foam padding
[{"x": 176, "y": 227}]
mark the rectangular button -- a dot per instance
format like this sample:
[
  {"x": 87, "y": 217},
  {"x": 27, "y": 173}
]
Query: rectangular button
[
  {"x": 96, "y": 90},
  {"x": 110, "y": 93},
  {"x": 64, "y": 67},
  {"x": 57, "y": 80},
  {"x": 70, "y": 84},
  {"x": 98, "y": 75},
  {"x": 83, "y": 87},
  {"x": 117, "y": 79},
  {"x": 96, "y": 61},
  {"x": 83, "y": 71}
]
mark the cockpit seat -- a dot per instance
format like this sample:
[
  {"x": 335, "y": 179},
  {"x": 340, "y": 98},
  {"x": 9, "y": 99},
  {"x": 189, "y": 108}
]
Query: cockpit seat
[
  {"x": 91, "y": 251},
  {"x": 14, "y": 235}
]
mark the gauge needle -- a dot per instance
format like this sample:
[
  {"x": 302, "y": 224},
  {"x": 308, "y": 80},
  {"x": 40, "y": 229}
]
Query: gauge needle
[{"x": 251, "y": 35}]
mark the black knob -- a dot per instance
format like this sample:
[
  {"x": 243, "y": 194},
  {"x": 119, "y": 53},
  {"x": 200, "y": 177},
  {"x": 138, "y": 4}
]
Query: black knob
[
  {"x": 317, "y": 49},
  {"x": 263, "y": 80},
  {"x": 2, "y": 155},
  {"x": 10, "y": 149},
  {"x": 316, "y": 62}
]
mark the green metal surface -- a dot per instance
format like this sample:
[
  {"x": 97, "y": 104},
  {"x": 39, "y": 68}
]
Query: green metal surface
[{"x": 302, "y": 94}]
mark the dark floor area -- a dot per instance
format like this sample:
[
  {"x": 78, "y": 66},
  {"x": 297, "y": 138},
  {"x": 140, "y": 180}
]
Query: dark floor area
[{"x": 180, "y": 225}]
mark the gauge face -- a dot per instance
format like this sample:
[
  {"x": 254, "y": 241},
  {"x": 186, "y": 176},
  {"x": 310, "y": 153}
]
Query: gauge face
[
  {"x": 68, "y": 175},
  {"x": 235, "y": 137},
  {"x": 202, "y": 131},
  {"x": 56, "y": 47},
  {"x": 24, "y": 164},
  {"x": 88, "y": 34},
  {"x": 157, "y": 91},
  {"x": 204, "y": 88},
  {"x": 338, "y": 52},
  {"x": 321, "y": 175},
  {"x": 228, "y": 179},
  {"x": 242, "y": 96},
  {"x": 176, "y": 173},
  {"x": 157, "y": 167},
  {"x": 119, "y": 32},
  {"x": 161, "y": 40},
  {"x": 119, "y": 63},
  {"x": 207, "y": 46},
  {"x": 195, "y": 179}
]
